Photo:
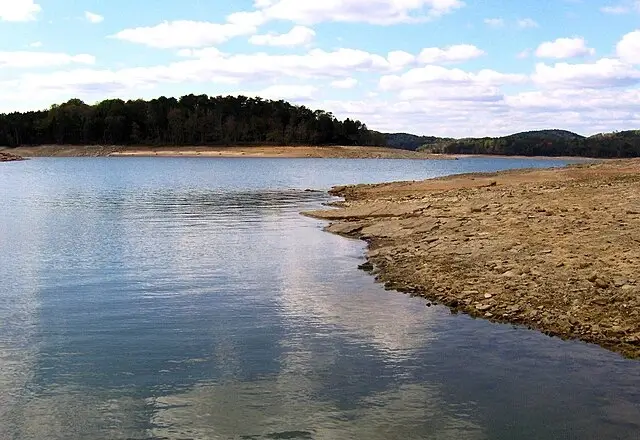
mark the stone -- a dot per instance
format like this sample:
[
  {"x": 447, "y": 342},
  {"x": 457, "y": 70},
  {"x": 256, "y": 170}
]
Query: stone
[
  {"x": 483, "y": 307},
  {"x": 619, "y": 281},
  {"x": 488, "y": 295},
  {"x": 601, "y": 283}
]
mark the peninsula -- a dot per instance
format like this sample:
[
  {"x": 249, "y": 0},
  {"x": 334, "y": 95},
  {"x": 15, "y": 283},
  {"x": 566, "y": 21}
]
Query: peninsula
[{"x": 556, "y": 250}]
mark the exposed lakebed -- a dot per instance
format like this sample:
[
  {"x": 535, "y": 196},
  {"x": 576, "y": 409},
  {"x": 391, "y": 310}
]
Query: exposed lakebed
[{"x": 187, "y": 298}]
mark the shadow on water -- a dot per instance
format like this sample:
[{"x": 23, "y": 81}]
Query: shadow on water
[{"x": 172, "y": 308}]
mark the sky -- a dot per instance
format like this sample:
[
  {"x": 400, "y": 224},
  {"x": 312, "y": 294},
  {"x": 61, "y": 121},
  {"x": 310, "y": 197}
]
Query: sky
[{"x": 432, "y": 67}]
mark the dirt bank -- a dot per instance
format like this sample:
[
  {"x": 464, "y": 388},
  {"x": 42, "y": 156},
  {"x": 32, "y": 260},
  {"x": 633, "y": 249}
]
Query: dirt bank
[
  {"x": 346, "y": 152},
  {"x": 8, "y": 157},
  {"x": 556, "y": 250}
]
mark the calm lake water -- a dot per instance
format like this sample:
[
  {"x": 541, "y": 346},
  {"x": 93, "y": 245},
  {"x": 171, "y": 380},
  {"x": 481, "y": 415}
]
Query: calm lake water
[{"x": 187, "y": 299}]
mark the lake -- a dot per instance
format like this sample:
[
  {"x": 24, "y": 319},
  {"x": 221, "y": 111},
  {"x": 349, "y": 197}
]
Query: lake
[{"x": 187, "y": 298}]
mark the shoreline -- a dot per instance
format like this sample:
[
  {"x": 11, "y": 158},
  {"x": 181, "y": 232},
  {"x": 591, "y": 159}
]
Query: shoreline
[
  {"x": 290, "y": 152},
  {"x": 252, "y": 151},
  {"x": 8, "y": 157},
  {"x": 556, "y": 250}
]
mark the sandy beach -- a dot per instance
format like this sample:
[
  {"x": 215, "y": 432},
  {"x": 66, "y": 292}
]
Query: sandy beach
[
  {"x": 344, "y": 152},
  {"x": 556, "y": 250}
]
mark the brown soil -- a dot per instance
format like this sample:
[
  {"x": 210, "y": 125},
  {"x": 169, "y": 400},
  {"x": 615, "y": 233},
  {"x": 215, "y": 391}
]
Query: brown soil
[
  {"x": 8, "y": 157},
  {"x": 557, "y": 250},
  {"x": 346, "y": 152}
]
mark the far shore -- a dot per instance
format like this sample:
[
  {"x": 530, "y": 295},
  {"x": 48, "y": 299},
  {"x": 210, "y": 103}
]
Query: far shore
[
  {"x": 556, "y": 250},
  {"x": 342, "y": 152},
  {"x": 303, "y": 151}
]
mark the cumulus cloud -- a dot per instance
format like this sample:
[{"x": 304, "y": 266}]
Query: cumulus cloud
[
  {"x": 298, "y": 36},
  {"x": 347, "y": 83},
  {"x": 564, "y": 48},
  {"x": 19, "y": 10},
  {"x": 185, "y": 33},
  {"x": 26, "y": 59},
  {"x": 429, "y": 75},
  {"x": 92, "y": 17},
  {"x": 373, "y": 11},
  {"x": 451, "y": 54},
  {"x": 604, "y": 73},
  {"x": 399, "y": 59},
  {"x": 628, "y": 49}
]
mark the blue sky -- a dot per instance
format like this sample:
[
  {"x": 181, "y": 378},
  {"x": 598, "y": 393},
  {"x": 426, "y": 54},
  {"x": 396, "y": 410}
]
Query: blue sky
[{"x": 438, "y": 67}]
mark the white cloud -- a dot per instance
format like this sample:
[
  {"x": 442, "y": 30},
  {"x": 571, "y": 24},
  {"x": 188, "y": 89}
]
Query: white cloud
[
  {"x": 296, "y": 93},
  {"x": 347, "y": 83},
  {"x": 184, "y": 33},
  {"x": 24, "y": 59},
  {"x": 494, "y": 22},
  {"x": 92, "y": 17},
  {"x": 372, "y": 11},
  {"x": 525, "y": 23},
  {"x": 564, "y": 48},
  {"x": 451, "y": 54},
  {"x": 429, "y": 75},
  {"x": 19, "y": 10},
  {"x": 298, "y": 36},
  {"x": 615, "y": 10},
  {"x": 524, "y": 54},
  {"x": 604, "y": 73},
  {"x": 399, "y": 59},
  {"x": 628, "y": 49},
  {"x": 622, "y": 8}
]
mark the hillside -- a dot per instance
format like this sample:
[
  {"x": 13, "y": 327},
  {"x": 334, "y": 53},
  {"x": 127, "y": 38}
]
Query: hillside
[{"x": 543, "y": 143}]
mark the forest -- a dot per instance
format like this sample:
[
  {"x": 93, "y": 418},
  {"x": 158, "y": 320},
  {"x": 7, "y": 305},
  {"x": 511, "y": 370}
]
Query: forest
[
  {"x": 531, "y": 143},
  {"x": 189, "y": 120}
]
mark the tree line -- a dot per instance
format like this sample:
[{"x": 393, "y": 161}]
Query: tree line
[
  {"x": 189, "y": 120},
  {"x": 544, "y": 143}
]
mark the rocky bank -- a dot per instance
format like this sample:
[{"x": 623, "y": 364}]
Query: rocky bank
[
  {"x": 556, "y": 250},
  {"x": 8, "y": 157}
]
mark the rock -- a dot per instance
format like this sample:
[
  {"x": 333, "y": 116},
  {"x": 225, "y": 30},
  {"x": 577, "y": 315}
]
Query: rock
[
  {"x": 483, "y": 307},
  {"x": 8, "y": 157},
  {"x": 619, "y": 281},
  {"x": 488, "y": 295},
  {"x": 601, "y": 283},
  {"x": 593, "y": 277}
]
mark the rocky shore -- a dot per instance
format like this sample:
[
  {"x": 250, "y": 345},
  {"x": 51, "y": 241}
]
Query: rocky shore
[
  {"x": 556, "y": 250},
  {"x": 8, "y": 157}
]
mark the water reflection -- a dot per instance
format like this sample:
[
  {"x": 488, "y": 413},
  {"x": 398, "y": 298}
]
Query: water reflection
[
  {"x": 281, "y": 409},
  {"x": 151, "y": 303}
]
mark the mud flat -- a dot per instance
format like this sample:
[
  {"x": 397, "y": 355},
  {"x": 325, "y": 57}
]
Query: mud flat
[
  {"x": 341, "y": 152},
  {"x": 556, "y": 250}
]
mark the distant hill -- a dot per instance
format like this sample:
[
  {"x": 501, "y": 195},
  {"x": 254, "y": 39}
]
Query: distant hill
[
  {"x": 408, "y": 141},
  {"x": 539, "y": 143}
]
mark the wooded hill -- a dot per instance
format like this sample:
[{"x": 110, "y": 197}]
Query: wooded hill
[
  {"x": 189, "y": 120},
  {"x": 531, "y": 143}
]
